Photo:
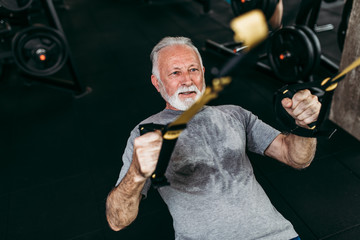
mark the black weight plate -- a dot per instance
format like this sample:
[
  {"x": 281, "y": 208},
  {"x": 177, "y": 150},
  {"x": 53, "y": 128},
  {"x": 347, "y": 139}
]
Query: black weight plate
[
  {"x": 290, "y": 54},
  {"x": 39, "y": 51},
  {"x": 315, "y": 43},
  {"x": 15, "y": 5}
]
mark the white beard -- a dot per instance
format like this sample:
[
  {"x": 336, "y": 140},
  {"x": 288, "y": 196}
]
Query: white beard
[{"x": 179, "y": 104}]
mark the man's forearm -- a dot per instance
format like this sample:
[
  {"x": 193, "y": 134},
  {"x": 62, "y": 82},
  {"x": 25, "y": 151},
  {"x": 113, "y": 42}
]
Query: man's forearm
[
  {"x": 122, "y": 204},
  {"x": 301, "y": 150}
]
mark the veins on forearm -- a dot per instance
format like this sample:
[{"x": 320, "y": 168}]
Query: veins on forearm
[
  {"x": 301, "y": 150},
  {"x": 122, "y": 203},
  {"x": 120, "y": 210}
]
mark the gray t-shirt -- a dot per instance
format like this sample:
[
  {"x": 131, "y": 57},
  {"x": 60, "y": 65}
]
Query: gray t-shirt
[{"x": 213, "y": 193}]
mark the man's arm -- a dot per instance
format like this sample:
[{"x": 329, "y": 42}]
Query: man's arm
[
  {"x": 122, "y": 204},
  {"x": 296, "y": 151},
  {"x": 276, "y": 19}
]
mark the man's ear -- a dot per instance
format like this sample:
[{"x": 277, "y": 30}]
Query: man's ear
[{"x": 155, "y": 82}]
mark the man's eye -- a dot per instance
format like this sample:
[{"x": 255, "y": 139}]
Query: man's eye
[
  {"x": 175, "y": 73},
  {"x": 194, "y": 69}
]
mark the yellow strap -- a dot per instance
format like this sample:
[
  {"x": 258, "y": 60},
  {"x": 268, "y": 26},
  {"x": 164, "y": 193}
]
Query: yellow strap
[
  {"x": 251, "y": 29},
  {"x": 353, "y": 65},
  {"x": 209, "y": 94}
]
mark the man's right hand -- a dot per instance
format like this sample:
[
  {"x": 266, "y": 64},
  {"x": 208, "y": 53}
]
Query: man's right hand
[
  {"x": 146, "y": 154},
  {"x": 122, "y": 204}
]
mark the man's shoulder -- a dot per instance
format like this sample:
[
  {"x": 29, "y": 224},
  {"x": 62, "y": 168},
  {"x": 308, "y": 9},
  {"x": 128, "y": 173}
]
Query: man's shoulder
[
  {"x": 163, "y": 117},
  {"x": 151, "y": 118},
  {"x": 166, "y": 116},
  {"x": 229, "y": 109}
]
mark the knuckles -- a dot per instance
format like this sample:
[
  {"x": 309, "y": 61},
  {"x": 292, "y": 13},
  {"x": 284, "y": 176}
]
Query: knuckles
[
  {"x": 306, "y": 107},
  {"x": 148, "y": 139},
  {"x": 146, "y": 152},
  {"x": 303, "y": 95}
]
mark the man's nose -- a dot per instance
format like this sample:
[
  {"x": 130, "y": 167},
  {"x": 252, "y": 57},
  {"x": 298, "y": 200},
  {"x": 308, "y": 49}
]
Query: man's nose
[{"x": 186, "y": 79}]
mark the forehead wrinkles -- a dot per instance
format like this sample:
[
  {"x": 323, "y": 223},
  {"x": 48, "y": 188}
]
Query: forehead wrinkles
[{"x": 177, "y": 56}]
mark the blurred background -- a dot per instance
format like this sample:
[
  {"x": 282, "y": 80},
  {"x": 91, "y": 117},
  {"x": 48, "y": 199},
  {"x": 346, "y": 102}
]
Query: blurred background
[{"x": 75, "y": 80}]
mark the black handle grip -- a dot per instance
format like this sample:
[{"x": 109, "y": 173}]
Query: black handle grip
[
  {"x": 158, "y": 178},
  {"x": 150, "y": 127}
]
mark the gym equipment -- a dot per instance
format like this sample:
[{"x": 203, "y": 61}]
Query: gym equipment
[
  {"x": 242, "y": 27},
  {"x": 308, "y": 15},
  {"x": 15, "y": 5},
  {"x": 315, "y": 43},
  {"x": 242, "y": 6},
  {"x": 35, "y": 41},
  {"x": 206, "y": 3},
  {"x": 289, "y": 66},
  {"x": 328, "y": 85},
  {"x": 39, "y": 51},
  {"x": 341, "y": 34},
  {"x": 5, "y": 27},
  {"x": 227, "y": 49},
  {"x": 293, "y": 53}
]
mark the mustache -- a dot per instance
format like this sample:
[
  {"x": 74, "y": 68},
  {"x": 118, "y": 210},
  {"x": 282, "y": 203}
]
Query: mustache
[{"x": 183, "y": 89}]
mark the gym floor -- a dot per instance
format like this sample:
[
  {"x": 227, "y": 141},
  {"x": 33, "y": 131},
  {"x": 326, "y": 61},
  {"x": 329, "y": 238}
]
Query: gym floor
[{"x": 60, "y": 155}]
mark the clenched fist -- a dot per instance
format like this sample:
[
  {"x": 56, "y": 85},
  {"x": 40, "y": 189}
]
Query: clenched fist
[
  {"x": 146, "y": 153},
  {"x": 303, "y": 107}
]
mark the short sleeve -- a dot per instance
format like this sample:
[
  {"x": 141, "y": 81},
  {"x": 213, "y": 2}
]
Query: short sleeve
[{"x": 259, "y": 134}]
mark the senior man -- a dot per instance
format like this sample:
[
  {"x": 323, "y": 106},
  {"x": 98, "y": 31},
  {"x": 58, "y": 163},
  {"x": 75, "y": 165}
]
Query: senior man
[{"x": 213, "y": 193}]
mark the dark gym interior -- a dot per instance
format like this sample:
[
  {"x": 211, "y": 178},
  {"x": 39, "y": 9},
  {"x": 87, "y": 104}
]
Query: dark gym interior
[{"x": 62, "y": 135}]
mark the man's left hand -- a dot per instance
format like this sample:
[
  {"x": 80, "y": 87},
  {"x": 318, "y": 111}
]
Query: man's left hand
[{"x": 303, "y": 107}]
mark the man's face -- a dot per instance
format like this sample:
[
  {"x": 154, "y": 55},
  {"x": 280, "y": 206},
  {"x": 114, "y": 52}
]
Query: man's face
[{"x": 182, "y": 76}]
